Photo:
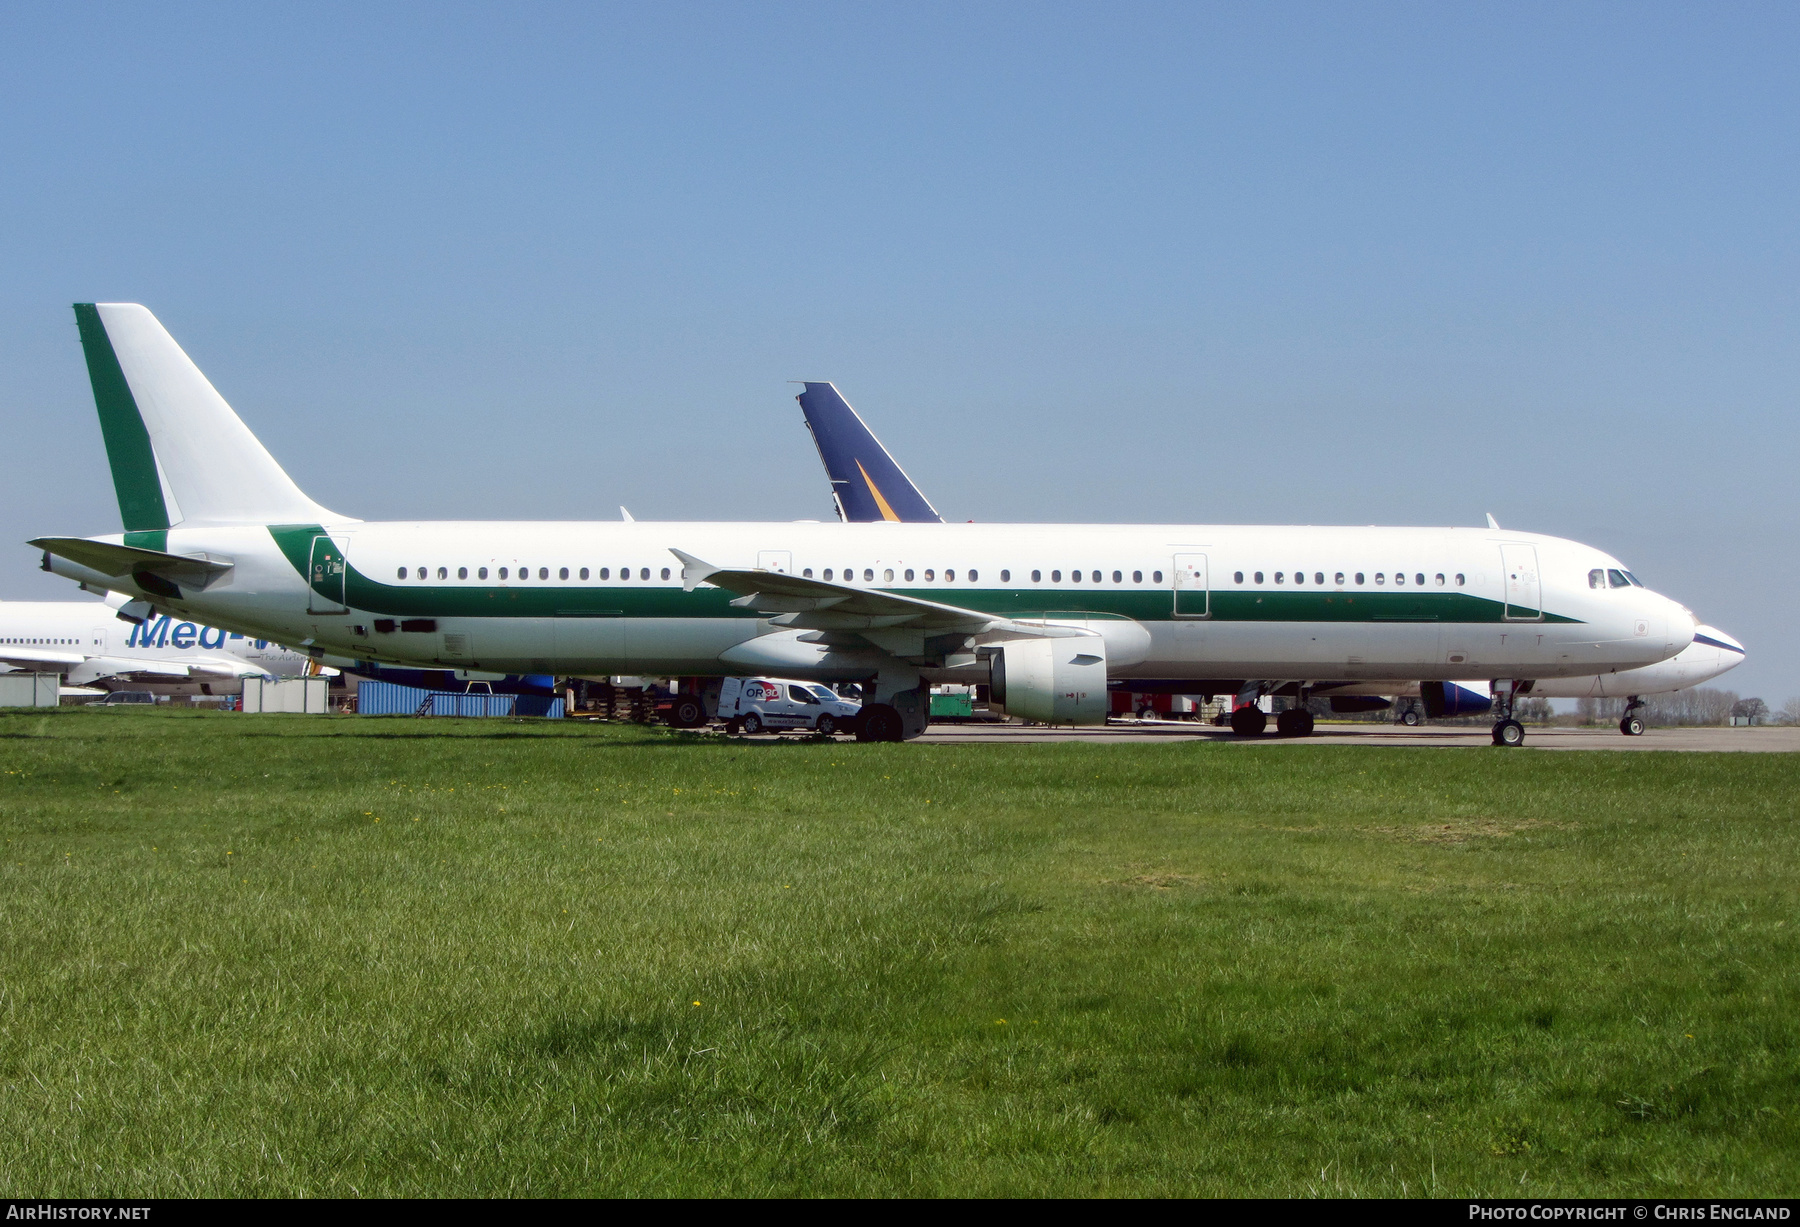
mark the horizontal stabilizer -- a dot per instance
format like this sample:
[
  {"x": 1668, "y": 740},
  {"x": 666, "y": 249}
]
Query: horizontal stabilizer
[
  {"x": 866, "y": 482},
  {"x": 112, "y": 559}
]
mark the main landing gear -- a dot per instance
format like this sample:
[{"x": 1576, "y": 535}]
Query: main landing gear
[
  {"x": 1249, "y": 720},
  {"x": 1294, "y": 722},
  {"x": 1632, "y": 725},
  {"x": 1507, "y": 732}
]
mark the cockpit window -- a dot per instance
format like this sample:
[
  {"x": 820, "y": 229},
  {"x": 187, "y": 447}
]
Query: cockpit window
[
  {"x": 1635, "y": 581},
  {"x": 1619, "y": 578},
  {"x": 1597, "y": 577}
]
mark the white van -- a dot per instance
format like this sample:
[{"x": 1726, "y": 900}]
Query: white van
[{"x": 758, "y": 704}]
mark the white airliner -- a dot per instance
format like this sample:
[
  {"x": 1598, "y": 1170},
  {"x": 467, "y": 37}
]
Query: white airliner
[
  {"x": 217, "y": 532},
  {"x": 868, "y": 485},
  {"x": 87, "y": 643}
]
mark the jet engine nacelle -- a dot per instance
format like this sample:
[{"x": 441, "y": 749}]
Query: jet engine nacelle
[
  {"x": 1052, "y": 681},
  {"x": 1453, "y": 699}
]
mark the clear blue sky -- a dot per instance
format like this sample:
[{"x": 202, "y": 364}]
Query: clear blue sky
[{"x": 1258, "y": 263}]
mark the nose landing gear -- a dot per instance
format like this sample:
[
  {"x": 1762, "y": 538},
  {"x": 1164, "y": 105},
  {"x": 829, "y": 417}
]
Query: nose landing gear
[
  {"x": 1633, "y": 725},
  {"x": 1507, "y": 731}
]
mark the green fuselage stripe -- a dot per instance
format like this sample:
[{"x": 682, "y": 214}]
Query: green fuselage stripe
[{"x": 559, "y": 598}]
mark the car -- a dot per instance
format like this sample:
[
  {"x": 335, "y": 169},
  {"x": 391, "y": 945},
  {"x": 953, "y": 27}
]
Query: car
[
  {"x": 772, "y": 704},
  {"x": 120, "y": 698}
]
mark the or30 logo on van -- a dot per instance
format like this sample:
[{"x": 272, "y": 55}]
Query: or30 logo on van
[
  {"x": 158, "y": 633},
  {"x": 756, "y": 692}
]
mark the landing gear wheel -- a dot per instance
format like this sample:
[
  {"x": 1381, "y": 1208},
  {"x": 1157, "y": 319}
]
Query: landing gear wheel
[
  {"x": 1146, "y": 713},
  {"x": 1249, "y": 722},
  {"x": 1410, "y": 718},
  {"x": 751, "y": 724},
  {"x": 686, "y": 712},
  {"x": 1294, "y": 722},
  {"x": 826, "y": 725},
  {"x": 1509, "y": 733},
  {"x": 734, "y": 726},
  {"x": 1631, "y": 726},
  {"x": 879, "y": 722}
]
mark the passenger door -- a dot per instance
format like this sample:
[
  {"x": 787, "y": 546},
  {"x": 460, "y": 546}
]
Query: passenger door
[
  {"x": 1524, "y": 593},
  {"x": 1192, "y": 590}
]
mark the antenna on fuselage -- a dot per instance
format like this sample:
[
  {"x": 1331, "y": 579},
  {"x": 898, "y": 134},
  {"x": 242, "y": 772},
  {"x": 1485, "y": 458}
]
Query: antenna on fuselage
[{"x": 1492, "y": 522}]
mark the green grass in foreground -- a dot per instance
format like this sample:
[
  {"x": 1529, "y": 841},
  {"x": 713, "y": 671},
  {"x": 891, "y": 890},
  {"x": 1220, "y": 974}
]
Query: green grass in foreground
[{"x": 289, "y": 955}]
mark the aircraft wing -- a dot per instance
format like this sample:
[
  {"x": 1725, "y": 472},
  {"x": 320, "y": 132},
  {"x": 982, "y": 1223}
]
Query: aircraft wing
[
  {"x": 110, "y": 558},
  {"x": 20, "y": 657},
  {"x": 815, "y": 604},
  {"x": 93, "y": 668}
]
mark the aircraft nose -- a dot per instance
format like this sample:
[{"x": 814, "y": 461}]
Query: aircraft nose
[{"x": 1713, "y": 637}]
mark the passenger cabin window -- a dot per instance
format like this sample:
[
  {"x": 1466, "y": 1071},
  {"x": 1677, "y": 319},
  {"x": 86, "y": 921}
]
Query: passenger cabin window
[
  {"x": 403, "y": 574},
  {"x": 888, "y": 576},
  {"x": 563, "y": 573},
  {"x": 1074, "y": 577},
  {"x": 1156, "y": 577},
  {"x": 909, "y": 575},
  {"x": 502, "y": 572},
  {"x": 1440, "y": 579},
  {"x": 949, "y": 577},
  {"x": 1380, "y": 579},
  {"x": 1280, "y": 576},
  {"x": 827, "y": 572},
  {"x": 462, "y": 573},
  {"x": 806, "y": 574},
  {"x": 1257, "y": 577},
  {"x": 1318, "y": 577},
  {"x": 544, "y": 573},
  {"x": 1056, "y": 577},
  {"x": 584, "y": 573},
  {"x": 1037, "y": 577},
  {"x": 1359, "y": 578},
  {"x": 665, "y": 573},
  {"x": 1399, "y": 577},
  {"x": 421, "y": 572},
  {"x": 1419, "y": 578},
  {"x": 868, "y": 574},
  {"x": 1340, "y": 579},
  {"x": 1137, "y": 577},
  {"x": 1118, "y": 577},
  {"x": 481, "y": 574},
  {"x": 605, "y": 572},
  {"x": 1459, "y": 579},
  {"x": 1299, "y": 577}
]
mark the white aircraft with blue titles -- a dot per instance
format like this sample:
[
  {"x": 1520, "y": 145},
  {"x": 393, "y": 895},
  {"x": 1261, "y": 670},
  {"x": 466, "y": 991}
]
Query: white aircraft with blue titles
[
  {"x": 92, "y": 647},
  {"x": 217, "y": 533}
]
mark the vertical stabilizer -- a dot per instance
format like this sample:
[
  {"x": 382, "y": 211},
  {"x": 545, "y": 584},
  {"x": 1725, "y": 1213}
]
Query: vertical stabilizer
[
  {"x": 180, "y": 457},
  {"x": 865, "y": 481}
]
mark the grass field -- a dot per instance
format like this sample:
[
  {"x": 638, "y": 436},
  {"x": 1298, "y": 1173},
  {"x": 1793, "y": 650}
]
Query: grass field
[{"x": 289, "y": 955}]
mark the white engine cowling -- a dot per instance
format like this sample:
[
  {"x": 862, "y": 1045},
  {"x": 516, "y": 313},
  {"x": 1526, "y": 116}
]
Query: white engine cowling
[{"x": 1052, "y": 681}]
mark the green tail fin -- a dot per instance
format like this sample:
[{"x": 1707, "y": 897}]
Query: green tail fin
[{"x": 128, "y": 450}]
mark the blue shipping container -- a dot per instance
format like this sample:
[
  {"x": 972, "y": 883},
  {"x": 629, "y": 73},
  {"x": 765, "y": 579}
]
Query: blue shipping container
[{"x": 392, "y": 699}]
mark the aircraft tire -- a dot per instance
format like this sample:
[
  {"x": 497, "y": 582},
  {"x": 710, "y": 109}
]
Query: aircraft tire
[
  {"x": 1509, "y": 733},
  {"x": 1294, "y": 722},
  {"x": 1146, "y": 713},
  {"x": 1249, "y": 722},
  {"x": 879, "y": 722},
  {"x": 1410, "y": 718},
  {"x": 1631, "y": 726}
]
